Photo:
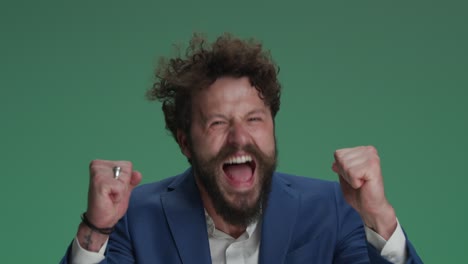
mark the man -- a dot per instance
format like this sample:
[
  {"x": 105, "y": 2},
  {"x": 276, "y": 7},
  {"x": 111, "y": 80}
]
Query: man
[{"x": 231, "y": 206}]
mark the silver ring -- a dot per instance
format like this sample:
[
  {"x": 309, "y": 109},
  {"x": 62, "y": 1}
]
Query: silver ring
[{"x": 116, "y": 170}]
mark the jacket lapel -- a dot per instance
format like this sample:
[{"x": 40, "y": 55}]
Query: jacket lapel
[
  {"x": 183, "y": 208},
  {"x": 278, "y": 222}
]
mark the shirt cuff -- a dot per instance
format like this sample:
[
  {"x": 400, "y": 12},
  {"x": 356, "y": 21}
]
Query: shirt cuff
[
  {"x": 393, "y": 250},
  {"x": 80, "y": 255}
]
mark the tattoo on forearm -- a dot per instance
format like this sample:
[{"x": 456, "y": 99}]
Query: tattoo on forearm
[{"x": 87, "y": 240}]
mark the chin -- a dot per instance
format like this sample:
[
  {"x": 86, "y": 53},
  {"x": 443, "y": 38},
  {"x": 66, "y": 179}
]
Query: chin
[{"x": 242, "y": 199}]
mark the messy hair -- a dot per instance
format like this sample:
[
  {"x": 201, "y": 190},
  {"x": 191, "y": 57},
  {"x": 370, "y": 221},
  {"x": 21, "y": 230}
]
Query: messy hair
[{"x": 177, "y": 79}]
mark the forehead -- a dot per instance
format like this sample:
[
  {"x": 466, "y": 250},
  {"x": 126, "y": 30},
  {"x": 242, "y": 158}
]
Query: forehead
[{"x": 227, "y": 94}]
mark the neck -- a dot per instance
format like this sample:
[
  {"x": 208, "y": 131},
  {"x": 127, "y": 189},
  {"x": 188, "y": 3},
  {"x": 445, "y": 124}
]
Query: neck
[{"x": 220, "y": 224}]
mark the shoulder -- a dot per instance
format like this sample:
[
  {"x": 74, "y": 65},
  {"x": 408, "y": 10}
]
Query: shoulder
[
  {"x": 307, "y": 185},
  {"x": 149, "y": 194},
  {"x": 155, "y": 187},
  {"x": 312, "y": 193}
]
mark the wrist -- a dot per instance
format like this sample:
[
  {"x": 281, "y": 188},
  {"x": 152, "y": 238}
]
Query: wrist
[
  {"x": 383, "y": 222},
  {"x": 89, "y": 239},
  {"x": 101, "y": 230}
]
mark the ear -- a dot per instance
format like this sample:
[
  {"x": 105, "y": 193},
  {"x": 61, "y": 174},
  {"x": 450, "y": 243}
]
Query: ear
[{"x": 183, "y": 143}]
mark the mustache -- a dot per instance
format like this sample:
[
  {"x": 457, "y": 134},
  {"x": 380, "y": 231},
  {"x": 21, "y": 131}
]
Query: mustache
[{"x": 229, "y": 150}]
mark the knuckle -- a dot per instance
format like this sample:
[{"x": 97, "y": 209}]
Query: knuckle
[
  {"x": 337, "y": 154},
  {"x": 96, "y": 162},
  {"x": 97, "y": 165},
  {"x": 93, "y": 163},
  {"x": 374, "y": 161},
  {"x": 94, "y": 171},
  {"x": 126, "y": 164},
  {"x": 372, "y": 149}
]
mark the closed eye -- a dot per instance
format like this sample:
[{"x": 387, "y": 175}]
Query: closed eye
[
  {"x": 217, "y": 123},
  {"x": 255, "y": 118}
]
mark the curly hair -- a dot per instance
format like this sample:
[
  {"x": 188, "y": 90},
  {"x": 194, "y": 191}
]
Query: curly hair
[{"x": 177, "y": 79}]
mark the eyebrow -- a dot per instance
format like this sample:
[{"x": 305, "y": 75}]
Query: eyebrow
[
  {"x": 257, "y": 111},
  {"x": 216, "y": 115},
  {"x": 211, "y": 116}
]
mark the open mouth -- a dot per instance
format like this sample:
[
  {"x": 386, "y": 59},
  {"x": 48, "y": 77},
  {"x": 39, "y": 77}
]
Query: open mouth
[{"x": 240, "y": 170}]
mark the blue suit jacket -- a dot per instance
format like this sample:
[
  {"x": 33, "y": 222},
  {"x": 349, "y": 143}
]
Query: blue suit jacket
[{"x": 306, "y": 221}]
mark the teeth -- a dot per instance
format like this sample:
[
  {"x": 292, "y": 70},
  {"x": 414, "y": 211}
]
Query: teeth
[{"x": 239, "y": 160}]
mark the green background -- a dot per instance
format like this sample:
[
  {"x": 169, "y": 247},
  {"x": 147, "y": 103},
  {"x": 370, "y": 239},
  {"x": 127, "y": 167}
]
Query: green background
[{"x": 73, "y": 75}]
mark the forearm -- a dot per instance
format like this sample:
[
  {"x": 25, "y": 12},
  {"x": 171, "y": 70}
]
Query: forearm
[
  {"x": 89, "y": 239},
  {"x": 383, "y": 222}
]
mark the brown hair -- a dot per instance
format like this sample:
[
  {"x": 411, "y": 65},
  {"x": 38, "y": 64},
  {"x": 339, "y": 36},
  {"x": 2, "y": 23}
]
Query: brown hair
[{"x": 178, "y": 78}]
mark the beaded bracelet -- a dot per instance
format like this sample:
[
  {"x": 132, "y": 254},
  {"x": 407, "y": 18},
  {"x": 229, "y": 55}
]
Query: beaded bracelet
[{"x": 104, "y": 231}]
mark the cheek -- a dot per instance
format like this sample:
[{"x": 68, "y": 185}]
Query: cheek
[
  {"x": 265, "y": 140},
  {"x": 207, "y": 145},
  {"x": 269, "y": 145}
]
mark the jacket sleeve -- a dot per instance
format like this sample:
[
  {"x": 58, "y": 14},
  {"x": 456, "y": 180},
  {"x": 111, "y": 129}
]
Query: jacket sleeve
[
  {"x": 119, "y": 248},
  {"x": 352, "y": 246}
]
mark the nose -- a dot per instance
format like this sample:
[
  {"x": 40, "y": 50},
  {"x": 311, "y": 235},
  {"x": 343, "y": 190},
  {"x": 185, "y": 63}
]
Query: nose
[{"x": 238, "y": 134}]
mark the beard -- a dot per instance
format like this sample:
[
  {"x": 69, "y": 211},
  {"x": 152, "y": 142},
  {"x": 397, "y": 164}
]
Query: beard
[{"x": 246, "y": 207}]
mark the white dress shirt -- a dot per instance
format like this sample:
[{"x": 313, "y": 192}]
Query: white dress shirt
[{"x": 226, "y": 249}]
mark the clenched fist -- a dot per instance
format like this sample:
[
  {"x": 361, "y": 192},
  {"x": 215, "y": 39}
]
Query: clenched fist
[
  {"x": 108, "y": 199},
  {"x": 362, "y": 185}
]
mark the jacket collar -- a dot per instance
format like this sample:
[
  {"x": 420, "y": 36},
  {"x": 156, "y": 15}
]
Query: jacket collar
[
  {"x": 278, "y": 221},
  {"x": 183, "y": 208}
]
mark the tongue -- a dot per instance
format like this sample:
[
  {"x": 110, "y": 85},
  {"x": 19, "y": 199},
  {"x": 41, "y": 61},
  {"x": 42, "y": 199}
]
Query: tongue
[{"x": 239, "y": 172}]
